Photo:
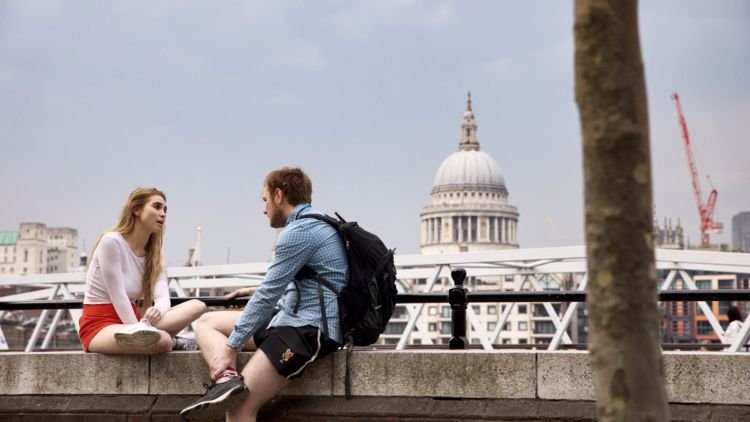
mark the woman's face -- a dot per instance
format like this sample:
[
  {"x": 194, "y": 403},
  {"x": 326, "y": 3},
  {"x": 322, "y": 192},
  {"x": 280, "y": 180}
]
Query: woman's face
[{"x": 153, "y": 215}]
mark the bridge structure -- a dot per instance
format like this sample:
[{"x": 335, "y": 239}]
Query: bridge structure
[
  {"x": 487, "y": 382},
  {"x": 528, "y": 268}
]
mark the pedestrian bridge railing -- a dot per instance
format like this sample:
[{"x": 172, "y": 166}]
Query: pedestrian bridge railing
[{"x": 545, "y": 275}]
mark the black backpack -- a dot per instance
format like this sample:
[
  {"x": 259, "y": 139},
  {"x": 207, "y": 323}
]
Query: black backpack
[{"x": 369, "y": 298}]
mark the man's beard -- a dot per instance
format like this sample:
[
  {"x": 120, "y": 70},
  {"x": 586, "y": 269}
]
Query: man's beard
[{"x": 276, "y": 219}]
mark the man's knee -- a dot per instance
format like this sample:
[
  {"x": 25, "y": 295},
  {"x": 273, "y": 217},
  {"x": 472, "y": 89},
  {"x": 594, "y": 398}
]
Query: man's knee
[
  {"x": 206, "y": 320},
  {"x": 219, "y": 320}
]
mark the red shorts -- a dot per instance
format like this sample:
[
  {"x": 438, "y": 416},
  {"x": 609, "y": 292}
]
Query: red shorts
[{"x": 96, "y": 317}]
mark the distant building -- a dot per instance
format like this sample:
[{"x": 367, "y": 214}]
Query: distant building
[
  {"x": 668, "y": 237},
  {"x": 38, "y": 249},
  {"x": 741, "y": 232},
  {"x": 469, "y": 212}
]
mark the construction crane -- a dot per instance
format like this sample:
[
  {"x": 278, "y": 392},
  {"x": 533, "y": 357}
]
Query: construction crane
[{"x": 705, "y": 210}]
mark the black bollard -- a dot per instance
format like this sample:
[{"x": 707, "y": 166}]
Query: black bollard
[{"x": 458, "y": 299}]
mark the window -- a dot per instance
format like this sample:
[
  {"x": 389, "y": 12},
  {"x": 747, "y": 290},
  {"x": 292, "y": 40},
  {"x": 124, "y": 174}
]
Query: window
[
  {"x": 522, "y": 309},
  {"x": 432, "y": 310},
  {"x": 446, "y": 328},
  {"x": 445, "y": 312},
  {"x": 726, "y": 284},
  {"x": 506, "y": 341},
  {"x": 523, "y": 325},
  {"x": 432, "y": 327},
  {"x": 417, "y": 341},
  {"x": 477, "y": 309},
  {"x": 491, "y": 326},
  {"x": 399, "y": 312},
  {"x": 395, "y": 328},
  {"x": 703, "y": 284},
  {"x": 25, "y": 255},
  {"x": 544, "y": 327},
  {"x": 492, "y": 310},
  {"x": 522, "y": 341},
  {"x": 704, "y": 328}
]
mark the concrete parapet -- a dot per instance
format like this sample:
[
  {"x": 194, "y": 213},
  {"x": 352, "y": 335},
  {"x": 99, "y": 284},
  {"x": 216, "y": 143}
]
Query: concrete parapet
[
  {"x": 73, "y": 373},
  {"x": 186, "y": 372},
  {"x": 438, "y": 373},
  {"x": 691, "y": 377},
  {"x": 707, "y": 377},
  {"x": 564, "y": 376}
]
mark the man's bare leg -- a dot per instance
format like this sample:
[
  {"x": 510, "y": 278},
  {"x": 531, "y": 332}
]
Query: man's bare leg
[
  {"x": 212, "y": 330},
  {"x": 264, "y": 383},
  {"x": 211, "y": 333}
]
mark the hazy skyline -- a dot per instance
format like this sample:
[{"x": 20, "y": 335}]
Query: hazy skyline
[{"x": 202, "y": 100}]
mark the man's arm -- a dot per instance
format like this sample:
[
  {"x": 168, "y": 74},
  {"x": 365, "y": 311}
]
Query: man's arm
[{"x": 293, "y": 249}]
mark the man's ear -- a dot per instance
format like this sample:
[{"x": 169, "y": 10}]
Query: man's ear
[{"x": 278, "y": 195}]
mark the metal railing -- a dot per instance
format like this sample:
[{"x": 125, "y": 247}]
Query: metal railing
[{"x": 532, "y": 274}]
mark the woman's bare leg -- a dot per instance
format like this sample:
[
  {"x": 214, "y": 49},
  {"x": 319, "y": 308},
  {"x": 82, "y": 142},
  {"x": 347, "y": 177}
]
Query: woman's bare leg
[
  {"x": 180, "y": 316},
  {"x": 104, "y": 342}
]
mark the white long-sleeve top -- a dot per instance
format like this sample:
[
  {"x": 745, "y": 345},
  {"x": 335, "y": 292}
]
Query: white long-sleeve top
[
  {"x": 731, "y": 332},
  {"x": 116, "y": 276}
]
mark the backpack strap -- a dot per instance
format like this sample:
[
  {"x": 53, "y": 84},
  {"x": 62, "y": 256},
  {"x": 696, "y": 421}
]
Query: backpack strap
[
  {"x": 296, "y": 287},
  {"x": 323, "y": 316},
  {"x": 308, "y": 273},
  {"x": 324, "y": 218}
]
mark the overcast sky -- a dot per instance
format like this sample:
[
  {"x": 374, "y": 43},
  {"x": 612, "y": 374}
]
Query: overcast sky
[{"x": 202, "y": 99}]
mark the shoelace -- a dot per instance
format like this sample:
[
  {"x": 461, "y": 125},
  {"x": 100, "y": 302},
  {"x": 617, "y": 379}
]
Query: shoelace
[{"x": 207, "y": 387}]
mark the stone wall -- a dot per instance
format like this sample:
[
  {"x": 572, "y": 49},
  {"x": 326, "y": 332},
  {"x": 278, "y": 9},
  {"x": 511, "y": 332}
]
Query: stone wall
[{"x": 430, "y": 384}]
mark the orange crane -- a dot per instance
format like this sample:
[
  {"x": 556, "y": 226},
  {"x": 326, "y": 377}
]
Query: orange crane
[{"x": 705, "y": 210}]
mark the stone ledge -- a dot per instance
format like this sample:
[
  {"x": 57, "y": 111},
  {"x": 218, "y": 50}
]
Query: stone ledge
[
  {"x": 310, "y": 409},
  {"x": 436, "y": 373},
  {"x": 73, "y": 373},
  {"x": 691, "y": 377}
]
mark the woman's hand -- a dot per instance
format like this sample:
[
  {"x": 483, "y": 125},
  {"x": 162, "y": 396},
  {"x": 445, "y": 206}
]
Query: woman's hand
[
  {"x": 245, "y": 291},
  {"x": 152, "y": 315}
]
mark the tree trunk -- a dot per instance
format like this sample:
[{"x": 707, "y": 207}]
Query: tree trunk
[{"x": 622, "y": 295}]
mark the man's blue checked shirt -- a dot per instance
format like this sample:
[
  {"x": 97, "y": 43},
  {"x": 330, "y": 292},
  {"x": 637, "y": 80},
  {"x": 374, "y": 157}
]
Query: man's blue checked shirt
[{"x": 304, "y": 241}]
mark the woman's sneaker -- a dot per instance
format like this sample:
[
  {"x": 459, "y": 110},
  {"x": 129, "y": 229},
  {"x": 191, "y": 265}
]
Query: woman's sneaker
[
  {"x": 219, "y": 398},
  {"x": 185, "y": 342},
  {"x": 138, "y": 335}
]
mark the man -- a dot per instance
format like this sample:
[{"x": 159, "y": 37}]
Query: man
[{"x": 296, "y": 335}]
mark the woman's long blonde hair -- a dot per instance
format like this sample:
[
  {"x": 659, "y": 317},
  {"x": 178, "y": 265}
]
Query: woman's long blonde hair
[{"x": 126, "y": 224}]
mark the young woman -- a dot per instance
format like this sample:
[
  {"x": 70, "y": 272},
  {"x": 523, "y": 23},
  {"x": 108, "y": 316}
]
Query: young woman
[
  {"x": 735, "y": 325},
  {"x": 126, "y": 266}
]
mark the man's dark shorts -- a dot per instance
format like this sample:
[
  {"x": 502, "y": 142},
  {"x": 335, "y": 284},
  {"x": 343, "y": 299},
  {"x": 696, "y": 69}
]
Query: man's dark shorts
[{"x": 291, "y": 349}]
